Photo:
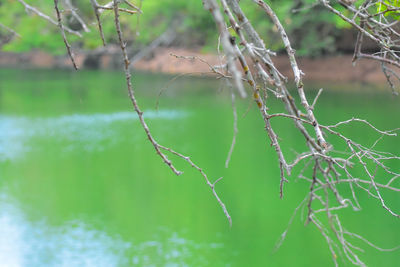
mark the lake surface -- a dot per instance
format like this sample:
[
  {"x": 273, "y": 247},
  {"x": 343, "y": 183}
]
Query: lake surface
[{"x": 80, "y": 185}]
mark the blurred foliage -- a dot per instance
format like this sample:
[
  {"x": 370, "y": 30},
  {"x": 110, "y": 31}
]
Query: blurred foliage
[
  {"x": 386, "y": 7},
  {"x": 312, "y": 29}
]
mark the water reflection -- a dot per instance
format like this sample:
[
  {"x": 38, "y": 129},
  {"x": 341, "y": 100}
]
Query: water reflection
[
  {"x": 76, "y": 243},
  {"x": 89, "y": 131},
  {"x": 66, "y": 172},
  {"x": 25, "y": 243}
]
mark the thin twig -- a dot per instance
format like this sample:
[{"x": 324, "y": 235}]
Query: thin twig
[
  {"x": 211, "y": 185},
  {"x": 132, "y": 93},
  {"x": 61, "y": 26},
  {"x": 10, "y": 30},
  {"x": 235, "y": 131},
  {"x": 42, "y": 15}
]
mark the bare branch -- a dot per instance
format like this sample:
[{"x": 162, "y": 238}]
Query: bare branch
[
  {"x": 132, "y": 93},
  {"x": 389, "y": 133},
  {"x": 99, "y": 24},
  {"x": 226, "y": 42},
  {"x": 324, "y": 169},
  {"x": 211, "y": 185},
  {"x": 235, "y": 131},
  {"x": 61, "y": 26},
  {"x": 10, "y": 30}
]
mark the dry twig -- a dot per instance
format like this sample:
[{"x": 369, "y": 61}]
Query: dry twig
[
  {"x": 325, "y": 169},
  {"x": 30, "y": 8},
  {"x": 61, "y": 26}
]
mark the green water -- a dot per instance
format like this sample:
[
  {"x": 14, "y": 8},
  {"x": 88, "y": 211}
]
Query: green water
[{"x": 80, "y": 185}]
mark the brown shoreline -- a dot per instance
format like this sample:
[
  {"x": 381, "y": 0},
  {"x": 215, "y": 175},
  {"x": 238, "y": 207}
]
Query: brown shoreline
[
  {"x": 329, "y": 69},
  {"x": 337, "y": 69}
]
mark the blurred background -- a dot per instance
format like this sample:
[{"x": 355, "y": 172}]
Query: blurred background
[{"x": 80, "y": 185}]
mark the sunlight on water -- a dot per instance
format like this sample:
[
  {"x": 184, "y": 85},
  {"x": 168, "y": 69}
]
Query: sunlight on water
[
  {"x": 88, "y": 131},
  {"x": 26, "y": 243},
  {"x": 80, "y": 185}
]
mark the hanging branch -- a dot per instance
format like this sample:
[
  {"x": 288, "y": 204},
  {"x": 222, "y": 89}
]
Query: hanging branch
[
  {"x": 296, "y": 71},
  {"x": 156, "y": 146},
  {"x": 375, "y": 20},
  {"x": 211, "y": 185},
  {"x": 328, "y": 171},
  {"x": 227, "y": 44},
  {"x": 61, "y": 26},
  {"x": 249, "y": 61},
  {"x": 132, "y": 93},
  {"x": 235, "y": 129},
  {"x": 10, "y": 30},
  {"x": 99, "y": 24}
]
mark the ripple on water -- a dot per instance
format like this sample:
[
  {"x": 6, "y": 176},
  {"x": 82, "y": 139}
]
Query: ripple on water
[
  {"x": 88, "y": 131},
  {"x": 75, "y": 243}
]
